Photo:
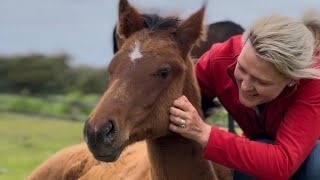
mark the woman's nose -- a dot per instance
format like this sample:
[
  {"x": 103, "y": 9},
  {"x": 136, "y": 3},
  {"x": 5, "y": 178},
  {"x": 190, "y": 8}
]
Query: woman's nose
[{"x": 246, "y": 85}]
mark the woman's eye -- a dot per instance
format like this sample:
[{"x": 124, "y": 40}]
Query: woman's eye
[
  {"x": 263, "y": 83},
  {"x": 240, "y": 68}
]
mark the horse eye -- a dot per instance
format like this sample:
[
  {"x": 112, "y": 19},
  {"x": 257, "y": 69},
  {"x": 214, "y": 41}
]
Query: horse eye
[{"x": 164, "y": 73}]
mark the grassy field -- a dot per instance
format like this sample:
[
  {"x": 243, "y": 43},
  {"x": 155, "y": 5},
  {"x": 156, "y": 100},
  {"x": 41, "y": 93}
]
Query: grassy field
[{"x": 25, "y": 142}]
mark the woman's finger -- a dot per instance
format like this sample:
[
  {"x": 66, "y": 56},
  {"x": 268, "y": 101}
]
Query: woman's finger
[
  {"x": 182, "y": 104},
  {"x": 174, "y": 128},
  {"x": 178, "y": 121},
  {"x": 178, "y": 112},
  {"x": 184, "y": 98}
]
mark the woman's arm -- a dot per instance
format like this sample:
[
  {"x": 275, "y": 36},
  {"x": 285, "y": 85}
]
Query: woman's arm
[{"x": 296, "y": 136}]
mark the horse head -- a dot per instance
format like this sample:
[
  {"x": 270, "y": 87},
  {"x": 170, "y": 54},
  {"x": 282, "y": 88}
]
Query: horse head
[{"x": 151, "y": 69}]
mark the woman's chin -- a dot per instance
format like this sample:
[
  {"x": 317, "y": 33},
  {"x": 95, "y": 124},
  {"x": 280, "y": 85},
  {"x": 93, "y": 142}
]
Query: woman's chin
[{"x": 248, "y": 102}]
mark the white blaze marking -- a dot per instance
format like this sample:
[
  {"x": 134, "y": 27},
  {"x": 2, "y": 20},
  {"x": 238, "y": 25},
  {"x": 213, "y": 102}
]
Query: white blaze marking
[{"x": 136, "y": 53}]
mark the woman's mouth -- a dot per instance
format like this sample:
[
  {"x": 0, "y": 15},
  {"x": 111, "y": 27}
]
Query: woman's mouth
[{"x": 251, "y": 94}]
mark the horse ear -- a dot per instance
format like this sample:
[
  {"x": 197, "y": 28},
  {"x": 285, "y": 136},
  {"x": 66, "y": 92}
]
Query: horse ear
[
  {"x": 117, "y": 40},
  {"x": 130, "y": 20},
  {"x": 190, "y": 31}
]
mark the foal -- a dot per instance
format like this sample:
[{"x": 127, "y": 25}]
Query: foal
[{"x": 151, "y": 69}]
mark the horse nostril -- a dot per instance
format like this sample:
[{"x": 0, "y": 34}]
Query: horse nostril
[
  {"x": 109, "y": 127},
  {"x": 109, "y": 131}
]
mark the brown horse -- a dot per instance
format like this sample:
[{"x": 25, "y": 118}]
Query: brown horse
[{"x": 151, "y": 69}]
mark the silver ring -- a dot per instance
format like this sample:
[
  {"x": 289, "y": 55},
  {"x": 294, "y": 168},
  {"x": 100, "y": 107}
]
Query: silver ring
[{"x": 182, "y": 123}]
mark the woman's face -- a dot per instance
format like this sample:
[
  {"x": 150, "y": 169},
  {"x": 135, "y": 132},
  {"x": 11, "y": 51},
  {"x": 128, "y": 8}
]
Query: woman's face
[{"x": 258, "y": 81}]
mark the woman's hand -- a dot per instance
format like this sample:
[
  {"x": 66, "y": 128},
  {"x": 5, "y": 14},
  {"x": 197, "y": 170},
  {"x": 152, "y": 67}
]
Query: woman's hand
[{"x": 186, "y": 121}]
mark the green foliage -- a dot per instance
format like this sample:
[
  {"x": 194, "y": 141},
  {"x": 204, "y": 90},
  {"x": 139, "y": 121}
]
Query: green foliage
[
  {"x": 74, "y": 106},
  {"x": 74, "y": 96},
  {"x": 37, "y": 73},
  {"x": 40, "y": 74},
  {"x": 26, "y": 142},
  {"x": 220, "y": 117},
  {"x": 4, "y": 64},
  {"x": 88, "y": 80}
]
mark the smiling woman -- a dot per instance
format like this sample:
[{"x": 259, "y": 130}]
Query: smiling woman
[
  {"x": 269, "y": 81},
  {"x": 258, "y": 80}
]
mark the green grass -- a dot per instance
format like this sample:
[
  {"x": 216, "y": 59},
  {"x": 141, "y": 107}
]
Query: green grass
[{"x": 25, "y": 142}]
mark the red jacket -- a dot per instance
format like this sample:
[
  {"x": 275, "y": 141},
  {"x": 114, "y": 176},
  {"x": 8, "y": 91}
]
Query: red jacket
[{"x": 292, "y": 120}]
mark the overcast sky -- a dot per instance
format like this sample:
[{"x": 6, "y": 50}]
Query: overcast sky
[{"x": 83, "y": 28}]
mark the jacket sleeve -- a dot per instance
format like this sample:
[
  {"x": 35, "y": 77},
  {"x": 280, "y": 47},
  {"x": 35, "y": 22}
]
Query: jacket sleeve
[{"x": 296, "y": 136}]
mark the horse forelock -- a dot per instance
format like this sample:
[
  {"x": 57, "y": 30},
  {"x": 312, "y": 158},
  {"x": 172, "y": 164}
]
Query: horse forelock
[{"x": 154, "y": 22}]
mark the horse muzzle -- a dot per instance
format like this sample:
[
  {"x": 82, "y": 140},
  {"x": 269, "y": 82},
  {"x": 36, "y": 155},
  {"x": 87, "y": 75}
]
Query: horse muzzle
[{"x": 102, "y": 142}]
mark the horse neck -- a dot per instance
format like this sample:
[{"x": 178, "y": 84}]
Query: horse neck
[
  {"x": 191, "y": 88},
  {"x": 174, "y": 157}
]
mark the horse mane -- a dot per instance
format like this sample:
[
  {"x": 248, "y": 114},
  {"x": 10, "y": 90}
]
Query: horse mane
[{"x": 154, "y": 22}]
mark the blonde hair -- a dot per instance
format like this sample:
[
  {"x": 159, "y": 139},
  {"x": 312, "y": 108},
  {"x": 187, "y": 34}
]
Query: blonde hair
[{"x": 289, "y": 45}]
